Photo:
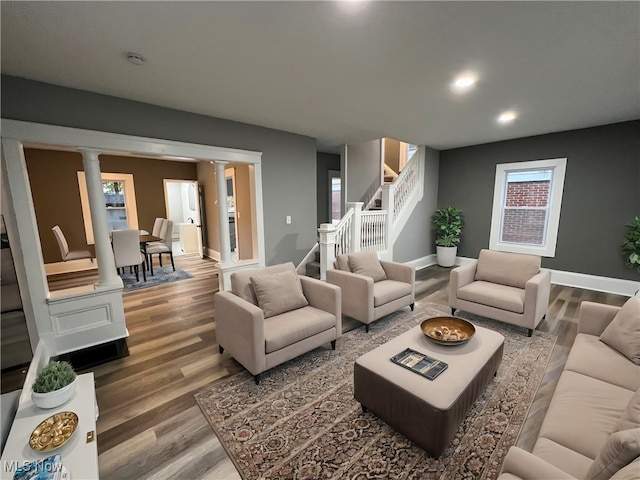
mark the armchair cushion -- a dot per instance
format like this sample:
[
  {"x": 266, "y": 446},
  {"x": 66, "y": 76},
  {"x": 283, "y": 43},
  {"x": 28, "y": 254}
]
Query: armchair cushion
[
  {"x": 631, "y": 416},
  {"x": 623, "y": 333},
  {"x": 507, "y": 268},
  {"x": 388, "y": 290},
  {"x": 620, "y": 449},
  {"x": 291, "y": 327},
  {"x": 368, "y": 264},
  {"x": 494, "y": 295},
  {"x": 278, "y": 292},
  {"x": 241, "y": 281}
]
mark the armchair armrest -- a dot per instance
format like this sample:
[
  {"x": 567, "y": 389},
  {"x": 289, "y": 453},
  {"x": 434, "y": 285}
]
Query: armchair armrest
[
  {"x": 458, "y": 278},
  {"x": 357, "y": 294},
  {"x": 324, "y": 296},
  {"x": 536, "y": 298},
  {"x": 595, "y": 317},
  {"x": 525, "y": 465},
  {"x": 240, "y": 330},
  {"x": 399, "y": 272}
]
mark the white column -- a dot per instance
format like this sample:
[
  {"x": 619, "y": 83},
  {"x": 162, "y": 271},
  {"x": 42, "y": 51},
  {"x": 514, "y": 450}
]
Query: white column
[
  {"x": 388, "y": 205},
  {"x": 327, "y": 248},
  {"x": 356, "y": 226},
  {"x": 107, "y": 274},
  {"x": 223, "y": 214}
]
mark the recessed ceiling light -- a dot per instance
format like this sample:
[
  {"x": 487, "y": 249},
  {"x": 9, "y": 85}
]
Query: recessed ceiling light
[
  {"x": 507, "y": 117},
  {"x": 464, "y": 82}
]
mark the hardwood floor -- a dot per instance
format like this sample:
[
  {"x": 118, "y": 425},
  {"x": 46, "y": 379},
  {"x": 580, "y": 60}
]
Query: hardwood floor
[{"x": 150, "y": 426}]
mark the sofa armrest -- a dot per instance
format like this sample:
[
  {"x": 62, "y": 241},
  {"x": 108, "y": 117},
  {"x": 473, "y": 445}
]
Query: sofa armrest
[
  {"x": 458, "y": 278},
  {"x": 525, "y": 465},
  {"x": 399, "y": 272},
  {"x": 536, "y": 297},
  {"x": 324, "y": 296},
  {"x": 240, "y": 330},
  {"x": 595, "y": 317},
  {"x": 357, "y": 294}
]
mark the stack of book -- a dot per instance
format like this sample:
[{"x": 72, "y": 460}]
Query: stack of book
[{"x": 50, "y": 468}]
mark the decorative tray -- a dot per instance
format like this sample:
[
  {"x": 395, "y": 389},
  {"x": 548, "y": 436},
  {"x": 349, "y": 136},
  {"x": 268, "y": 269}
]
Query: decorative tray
[
  {"x": 419, "y": 363},
  {"x": 448, "y": 330},
  {"x": 53, "y": 432}
]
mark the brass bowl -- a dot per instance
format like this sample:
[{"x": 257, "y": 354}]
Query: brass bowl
[
  {"x": 53, "y": 432},
  {"x": 435, "y": 329}
]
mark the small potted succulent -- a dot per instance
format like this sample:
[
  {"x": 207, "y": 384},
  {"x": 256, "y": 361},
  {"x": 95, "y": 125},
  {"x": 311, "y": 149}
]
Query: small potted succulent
[
  {"x": 54, "y": 385},
  {"x": 448, "y": 223}
]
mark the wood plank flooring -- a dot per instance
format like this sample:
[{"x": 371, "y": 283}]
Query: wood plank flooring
[{"x": 150, "y": 426}]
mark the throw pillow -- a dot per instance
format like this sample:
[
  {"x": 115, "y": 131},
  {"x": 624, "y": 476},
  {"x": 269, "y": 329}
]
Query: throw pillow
[
  {"x": 367, "y": 264},
  {"x": 631, "y": 416},
  {"x": 623, "y": 333},
  {"x": 278, "y": 292},
  {"x": 620, "y": 449}
]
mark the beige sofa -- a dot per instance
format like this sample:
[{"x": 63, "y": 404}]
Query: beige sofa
[
  {"x": 508, "y": 287},
  {"x": 591, "y": 429},
  {"x": 272, "y": 315},
  {"x": 372, "y": 288}
]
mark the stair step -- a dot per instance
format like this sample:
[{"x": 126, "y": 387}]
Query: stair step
[
  {"x": 388, "y": 179},
  {"x": 313, "y": 269}
]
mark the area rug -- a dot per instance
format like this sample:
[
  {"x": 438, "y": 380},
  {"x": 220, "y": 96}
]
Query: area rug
[
  {"x": 302, "y": 422},
  {"x": 161, "y": 275}
]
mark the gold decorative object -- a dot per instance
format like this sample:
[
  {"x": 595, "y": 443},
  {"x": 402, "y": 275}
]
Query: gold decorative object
[
  {"x": 53, "y": 432},
  {"x": 448, "y": 330}
]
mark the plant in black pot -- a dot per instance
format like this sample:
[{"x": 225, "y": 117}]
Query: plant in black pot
[
  {"x": 631, "y": 245},
  {"x": 448, "y": 224},
  {"x": 54, "y": 385}
]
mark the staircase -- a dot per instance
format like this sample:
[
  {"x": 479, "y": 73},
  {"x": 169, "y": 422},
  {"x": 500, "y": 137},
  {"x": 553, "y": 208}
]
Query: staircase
[{"x": 375, "y": 228}]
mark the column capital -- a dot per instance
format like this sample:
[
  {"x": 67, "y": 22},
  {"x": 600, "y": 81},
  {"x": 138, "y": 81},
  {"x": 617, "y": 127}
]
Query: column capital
[{"x": 89, "y": 151}]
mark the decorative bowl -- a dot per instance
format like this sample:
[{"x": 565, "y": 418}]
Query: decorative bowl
[
  {"x": 448, "y": 330},
  {"x": 53, "y": 432}
]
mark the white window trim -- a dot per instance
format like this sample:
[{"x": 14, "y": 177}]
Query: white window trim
[
  {"x": 559, "y": 166},
  {"x": 129, "y": 195}
]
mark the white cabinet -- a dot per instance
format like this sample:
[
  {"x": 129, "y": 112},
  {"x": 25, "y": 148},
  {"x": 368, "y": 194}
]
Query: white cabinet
[{"x": 188, "y": 237}]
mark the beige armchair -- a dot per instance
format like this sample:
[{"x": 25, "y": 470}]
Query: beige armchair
[
  {"x": 508, "y": 287},
  {"x": 272, "y": 315},
  {"x": 372, "y": 288}
]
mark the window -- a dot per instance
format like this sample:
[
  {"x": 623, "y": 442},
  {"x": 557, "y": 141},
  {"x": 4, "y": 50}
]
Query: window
[
  {"x": 119, "y": 200},
  {"x": 526, "y": 206}
]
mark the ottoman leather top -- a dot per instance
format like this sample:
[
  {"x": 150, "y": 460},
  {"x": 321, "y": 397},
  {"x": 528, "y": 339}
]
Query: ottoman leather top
[{"x": 465, "y": 361}]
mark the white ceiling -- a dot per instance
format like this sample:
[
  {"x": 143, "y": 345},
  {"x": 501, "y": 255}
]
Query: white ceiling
[{"x": 345, "y": 72}]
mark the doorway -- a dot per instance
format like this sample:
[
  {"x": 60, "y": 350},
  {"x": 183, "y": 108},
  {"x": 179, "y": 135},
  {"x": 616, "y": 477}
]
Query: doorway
[
  {"x": 183, "y": 208},
  {"x": 335, "y": 196}
]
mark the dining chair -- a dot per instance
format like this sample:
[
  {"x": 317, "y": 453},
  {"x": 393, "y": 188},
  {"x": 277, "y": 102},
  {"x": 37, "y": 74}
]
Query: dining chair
[
  {"x": 126, "y": 251},
  {"x": 64, "y": 247},
  {"x": 162, "y": 247},
  {"x": 157, "y": 226}
]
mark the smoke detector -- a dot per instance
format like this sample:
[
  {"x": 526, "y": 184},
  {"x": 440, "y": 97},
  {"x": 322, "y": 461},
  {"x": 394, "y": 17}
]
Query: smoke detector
[{"x": 135, "y": 58}]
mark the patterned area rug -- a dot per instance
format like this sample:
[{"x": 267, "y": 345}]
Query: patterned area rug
[
  {"x": 302, "y": 421},
  {"x": 160, "y": 276}
]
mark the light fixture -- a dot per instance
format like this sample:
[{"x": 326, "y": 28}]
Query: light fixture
[
  {"x": 135, "y": 58},
  {"x": 507, "y": 117},
  {"x": 464, "y": 82}
]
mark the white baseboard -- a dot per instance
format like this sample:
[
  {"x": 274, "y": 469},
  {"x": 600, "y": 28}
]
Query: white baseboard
[{"x": 559, "y": 277}]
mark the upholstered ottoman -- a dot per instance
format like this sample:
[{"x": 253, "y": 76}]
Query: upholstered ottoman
[{"x": 427, "y": 412}]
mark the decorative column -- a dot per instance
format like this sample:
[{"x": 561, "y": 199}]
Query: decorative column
[
  {"x": 388, "y": 205},
  {"x": 356, "y": 226},
  {"x": 107, "y": 274},
  {"x": 223, "y": 214},
  {"x": 327, "y": 248}
]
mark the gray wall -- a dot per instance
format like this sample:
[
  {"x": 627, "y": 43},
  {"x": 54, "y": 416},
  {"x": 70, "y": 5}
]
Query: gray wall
[
  {"x": 416, "y": 240},
  {"x": 601, "y": 193},
  {"x": 289, "y": 160},
  {"x": 326, "y": 162},
  {"x": 363, "y": 170}
]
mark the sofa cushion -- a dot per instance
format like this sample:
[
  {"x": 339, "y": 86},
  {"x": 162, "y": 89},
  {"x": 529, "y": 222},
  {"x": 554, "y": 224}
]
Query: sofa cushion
[
  {"x": 367, "y": 264},
  {"x": 631, "y": 416},
  {"x": 593, "y": 358},
  {"x": 630, "y": 472},
  {"x": 494, "y": 295},
  {"x": 296, "y": 325},
  {"x": 278, "y": 292},
  {"x": 507, "y": 268},
  {"x": 623, "y": 333},
  {"x": 562, "y": 457},
  {"x": 241, "y": 281},
  {"x": 577, "y": 398},
  {"x": 620, "y": 449},
  {"x": 388, "y": 290}
]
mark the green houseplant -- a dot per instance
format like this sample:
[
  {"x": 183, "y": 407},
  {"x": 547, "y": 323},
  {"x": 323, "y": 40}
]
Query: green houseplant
[
  {"x": 54, "y": 385},
  {"x": 448, "y": 224},
  {"x": 631, "y": 245}
]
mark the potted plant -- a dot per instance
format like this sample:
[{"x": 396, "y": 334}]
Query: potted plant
[
  {"x": 448, "y": 222},
  {"x": 631, "y": 245},
  {"x": 54, "y": 385}
]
